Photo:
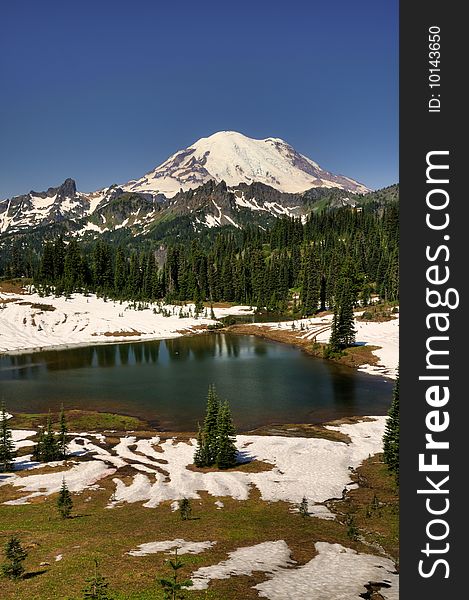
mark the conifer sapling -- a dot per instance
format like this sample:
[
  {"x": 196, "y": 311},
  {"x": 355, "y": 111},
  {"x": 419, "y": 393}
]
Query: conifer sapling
[
  {"x": 7, "y": 448},
  {"x": 64, "y": 501},
  {"x": 15, "y": 555}
]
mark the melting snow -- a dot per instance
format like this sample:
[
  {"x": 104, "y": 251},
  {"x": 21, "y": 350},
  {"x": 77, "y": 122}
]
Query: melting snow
[
  {"x": 314, "y": 468},
  {"x": 268, "y": 557},
  {"x": 182, "y": 546},
  {"x": 336, "y": 573},
  {"x": 83, "y": 320}
]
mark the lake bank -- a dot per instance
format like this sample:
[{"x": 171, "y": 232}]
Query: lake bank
[
  {"x": 377, "y": 342},
  {"x": 33, "y": 323}
]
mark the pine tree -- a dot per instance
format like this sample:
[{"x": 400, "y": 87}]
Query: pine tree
[
  {"x": 210, "y": 429},
  {"x": 50, "y": 446},
  {"x": 38, "y": 448},
  {"x": 185, "y": 509},
  {"x": 352, "y": 530},
  {"x": 62, "y": 441},
  {"x": 226, "y": 449},
  {"x": 342, "y": 329},
  {"x": 391, "y": 434},
  {"x": 346, "y": 320},
  {"x": 97, "y": 586},
  {"x": 64, "y": 501},
  {"x": 15, "y": 555},
  {"x": 173, "y": 588},
  {"x": 303, "y": 507},
  {"x": 334, "y": 341},
  {"x": 7, "y": 452},
  {"x": 200, "y": 456}
]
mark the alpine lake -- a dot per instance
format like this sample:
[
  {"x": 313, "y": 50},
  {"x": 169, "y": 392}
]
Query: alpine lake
[{"x": 165, "y": 382}]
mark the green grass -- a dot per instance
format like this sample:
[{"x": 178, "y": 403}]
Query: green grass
[
  {"x": 81, "y": 420},
  {"x": 107, "y": 534}
]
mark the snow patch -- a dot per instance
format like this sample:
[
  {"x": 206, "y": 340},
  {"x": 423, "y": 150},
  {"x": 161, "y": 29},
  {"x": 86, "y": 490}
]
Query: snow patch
[
  {"x": 336, "y": 573},
  {"x": 267, "y": 557},
  {"x": 182, "y": 546}
]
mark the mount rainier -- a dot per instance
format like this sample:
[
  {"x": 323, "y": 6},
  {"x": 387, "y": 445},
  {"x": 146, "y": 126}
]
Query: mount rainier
[{"x": 224, "y": 179}]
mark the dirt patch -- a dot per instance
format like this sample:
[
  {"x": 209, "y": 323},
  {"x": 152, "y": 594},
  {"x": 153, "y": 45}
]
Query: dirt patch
[
  {"x": 254, "y": 466},
  {"x": 14, "y": 286},
  {"x": 82, "y": 420},
  {"x": 8, "y": 300},
  {"x": 118, "y": 333},
  {"x": 38, "y": 306},
  {"x": 191, "y": 329},
  {"x": 306, "y": 430}
]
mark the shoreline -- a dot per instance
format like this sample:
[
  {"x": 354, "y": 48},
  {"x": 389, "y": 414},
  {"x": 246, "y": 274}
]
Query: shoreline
[
  {"x": 102, "y": 421},
  {"x": 361, "y": 356},
  {"x": 31, "y": 324}
]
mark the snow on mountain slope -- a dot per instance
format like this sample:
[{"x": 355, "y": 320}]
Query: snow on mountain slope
[
  {"x": 236, "y": 158},
  {"x": 224, "y": 179},
  {"x": 40, "y": 208}
]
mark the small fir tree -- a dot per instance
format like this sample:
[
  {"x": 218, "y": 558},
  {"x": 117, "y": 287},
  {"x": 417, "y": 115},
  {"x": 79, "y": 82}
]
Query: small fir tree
[
  {"x": 200, "y": 456},
  {"x": 226, "y": 449},
  {"x": 346, "y": 320},
  {"x": 38, "y": 448},
  {"x": 64, "y": 501},
  {"x": 96, "y": 587},
  {"x": 173, "y": 587},
  {"x": 352, "y": 529},
  {"x": 303, "y": 507},
  {"x": 7, "y": 452},
  {"x": 62, "y": 441},
  {"x": 334, "y": 343},
  {"x": 50, "y": 447},
  {"x": 185, "y": 509},
  {"x": 15, "y": 555},
  {"x": 391, "y": 434}
]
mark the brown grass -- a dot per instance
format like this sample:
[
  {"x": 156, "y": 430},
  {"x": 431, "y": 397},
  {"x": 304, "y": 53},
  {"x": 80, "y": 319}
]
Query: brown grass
[
  {"x": 374, "y": 505},
  {"x": 352, "y": 357},
  {"x": 131, "y": 333},
  {"x": 14, "y": 286},
  {"x": 254, "y": 466}
]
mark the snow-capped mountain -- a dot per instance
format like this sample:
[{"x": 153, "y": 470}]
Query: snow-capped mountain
[
  {"x": 224, "y": 179},
  {"x": 40, "y": 208},
  {"x": 235, "y": 158}
]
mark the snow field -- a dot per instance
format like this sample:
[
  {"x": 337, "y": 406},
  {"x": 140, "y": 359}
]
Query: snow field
[
  {"x": 83, "y": 320},
  {"x": 314, "y": 468}
]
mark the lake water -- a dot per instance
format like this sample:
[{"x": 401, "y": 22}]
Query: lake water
[{"x": 166, "y": 381}]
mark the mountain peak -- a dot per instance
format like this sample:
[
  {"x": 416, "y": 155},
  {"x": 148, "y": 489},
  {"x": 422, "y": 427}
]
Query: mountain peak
[{"x": 235, "y": 158}]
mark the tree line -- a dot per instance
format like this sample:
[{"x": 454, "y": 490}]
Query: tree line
[{"x": 293, "y": 265}]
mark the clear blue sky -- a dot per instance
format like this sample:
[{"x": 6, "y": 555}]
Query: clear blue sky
[{"x": 104, "y": 90}]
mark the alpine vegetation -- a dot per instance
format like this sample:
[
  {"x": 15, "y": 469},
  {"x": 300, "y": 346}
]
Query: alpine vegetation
[
  {"x": 7, "y": 452},
  {"x": 215, "y": 440},
  {"x": 51, "y": 445},
  {"x": 391, "y": 434}
]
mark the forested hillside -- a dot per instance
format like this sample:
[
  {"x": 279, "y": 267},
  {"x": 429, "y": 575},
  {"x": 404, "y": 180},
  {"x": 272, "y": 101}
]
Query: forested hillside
[{"x": 293, "y": 265}]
